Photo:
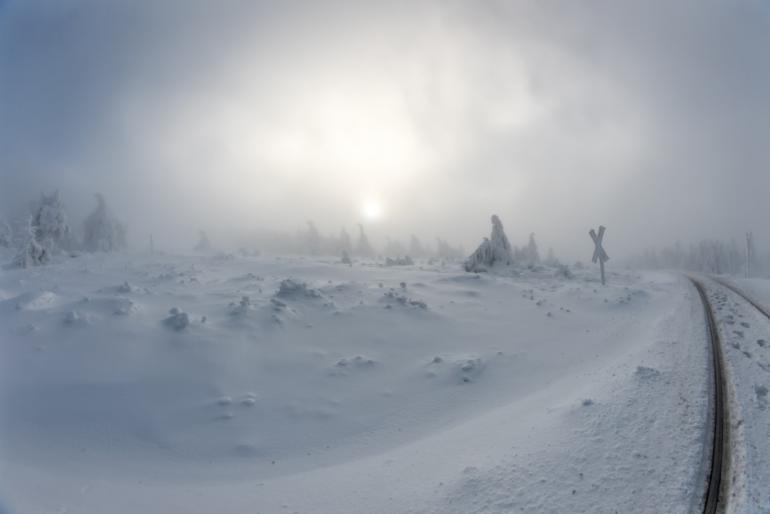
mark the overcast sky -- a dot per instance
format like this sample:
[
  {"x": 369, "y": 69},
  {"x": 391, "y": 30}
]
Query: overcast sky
[{"x": 650, "y": 117}]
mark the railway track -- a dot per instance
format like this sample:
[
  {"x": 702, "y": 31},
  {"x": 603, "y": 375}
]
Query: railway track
[
  {"x": 735, "y": 289},
  {"x": 713, "y": 488}
]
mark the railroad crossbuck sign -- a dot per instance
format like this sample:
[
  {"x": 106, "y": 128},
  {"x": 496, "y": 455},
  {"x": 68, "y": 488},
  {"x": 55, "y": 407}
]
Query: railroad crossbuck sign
[{"x": 599, "y": 253}]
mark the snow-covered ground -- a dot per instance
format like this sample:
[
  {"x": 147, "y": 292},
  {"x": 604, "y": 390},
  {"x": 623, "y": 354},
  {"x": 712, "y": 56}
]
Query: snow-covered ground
[
  {"x": 305, "y": 385},
  {"x": 745, "y": 337}
]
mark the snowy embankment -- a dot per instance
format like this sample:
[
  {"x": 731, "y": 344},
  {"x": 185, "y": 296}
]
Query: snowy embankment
[
  {"x": 226, "y": 384},
  {"x": 744, "y": 332}
]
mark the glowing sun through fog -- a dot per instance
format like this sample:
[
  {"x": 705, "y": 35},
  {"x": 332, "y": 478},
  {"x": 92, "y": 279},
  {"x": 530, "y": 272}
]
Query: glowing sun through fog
[{"x": 371, "y": 210}]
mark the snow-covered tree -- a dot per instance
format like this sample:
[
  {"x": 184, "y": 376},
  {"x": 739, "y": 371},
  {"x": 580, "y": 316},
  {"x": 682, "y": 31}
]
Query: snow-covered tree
[
  {"x": 101, "y": 231},
  {"x": 444, "y": 250},
  {"x": 551, "y": 259},
  {"x": 31, "y": 253},
  {"x": 344, "y": 243},
  {"x": 491, "y": 252},
  {"x": 394, "y": 248},
  {"x": 6, "y": 234},
  {"x": 311, "y": 240},
  {"x": 363, "y": 248},
  {"x": 415, "y": 247},
  {"x": 533, "y": 255},
  {"x": 203, "y": 244},
  {"x": 51, "y": 225}
]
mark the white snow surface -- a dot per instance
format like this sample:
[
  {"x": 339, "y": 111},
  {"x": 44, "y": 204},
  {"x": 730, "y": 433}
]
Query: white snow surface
[{"x": 197, "y": 384}]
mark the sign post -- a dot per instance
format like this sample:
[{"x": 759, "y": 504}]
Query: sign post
[{"x": 599, "y": 253}]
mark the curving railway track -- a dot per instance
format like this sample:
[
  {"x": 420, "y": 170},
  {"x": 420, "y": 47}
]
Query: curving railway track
[{"x": 718, "y": 465}]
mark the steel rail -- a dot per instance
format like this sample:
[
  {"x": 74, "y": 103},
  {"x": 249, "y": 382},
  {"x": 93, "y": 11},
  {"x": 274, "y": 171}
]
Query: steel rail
[{"x": 712, "y": 503}]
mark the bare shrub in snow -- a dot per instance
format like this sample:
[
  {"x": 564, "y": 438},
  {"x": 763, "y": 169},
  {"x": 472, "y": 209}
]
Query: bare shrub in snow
[
  {"x": 492, "y": 252},
  {"x": 101, "y": 231},
  {"x": 31, "y": 253}
]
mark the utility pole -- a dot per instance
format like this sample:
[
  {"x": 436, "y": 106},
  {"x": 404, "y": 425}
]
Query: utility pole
[{"x": 749, "y": 252}]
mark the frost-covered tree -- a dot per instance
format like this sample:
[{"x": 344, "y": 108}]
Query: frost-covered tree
[
  {"x": 6, "y": 234},
  {"x": 312, "y": 242},
  {"x": 203, "y": 244},
  {"x": 415, "y": 247},
  {"x": 491, "y": 252},
  {"x": 31, "y": 253},
  {"x": 363, "y": 248},
  {"x": 344, "y": 243},
  {"x": 551, "y": 259},
  {"x": 51, "y": 225},
  {"x": 394, "y": 248},
  {"x": 101, "y": 231},
  {"x": 444, "y": 250},
  {"x": 533, "y": 255}
]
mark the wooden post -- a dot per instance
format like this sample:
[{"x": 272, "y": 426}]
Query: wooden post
[{"x": 601, "y": 267}]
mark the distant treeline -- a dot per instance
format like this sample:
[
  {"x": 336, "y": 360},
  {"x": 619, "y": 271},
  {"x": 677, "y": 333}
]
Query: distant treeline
[{"x": 707, "y": 256}]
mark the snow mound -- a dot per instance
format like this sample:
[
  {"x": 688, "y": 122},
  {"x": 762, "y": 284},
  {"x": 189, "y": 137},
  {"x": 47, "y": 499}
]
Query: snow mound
[
  {"x": 177, "y": 320},
  {"x": 35, "y": 301},
  {"x": 394, "y": 298},
  {"x": 645, "y": 373},
  {"x": 294, "y": 289},
  {"x": 461, "y": 370},
  {"x": 348, "y": 364},
  {"x": 240, "y": 308},
  {"x": 77, "y": 318}
]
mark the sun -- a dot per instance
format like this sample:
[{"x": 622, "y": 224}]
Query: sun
[{"x": 372, "y": 210}]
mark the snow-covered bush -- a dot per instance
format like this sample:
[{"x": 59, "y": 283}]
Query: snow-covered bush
[
  {"x": 491, "y": 252},
  {"x": 51, "y": 225},
  {"x": 399, "y": 261},
  {"x": 177, "y": 319},
  {"x": 31, "y": 252},
  {"x": 101, "y": 231}
]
